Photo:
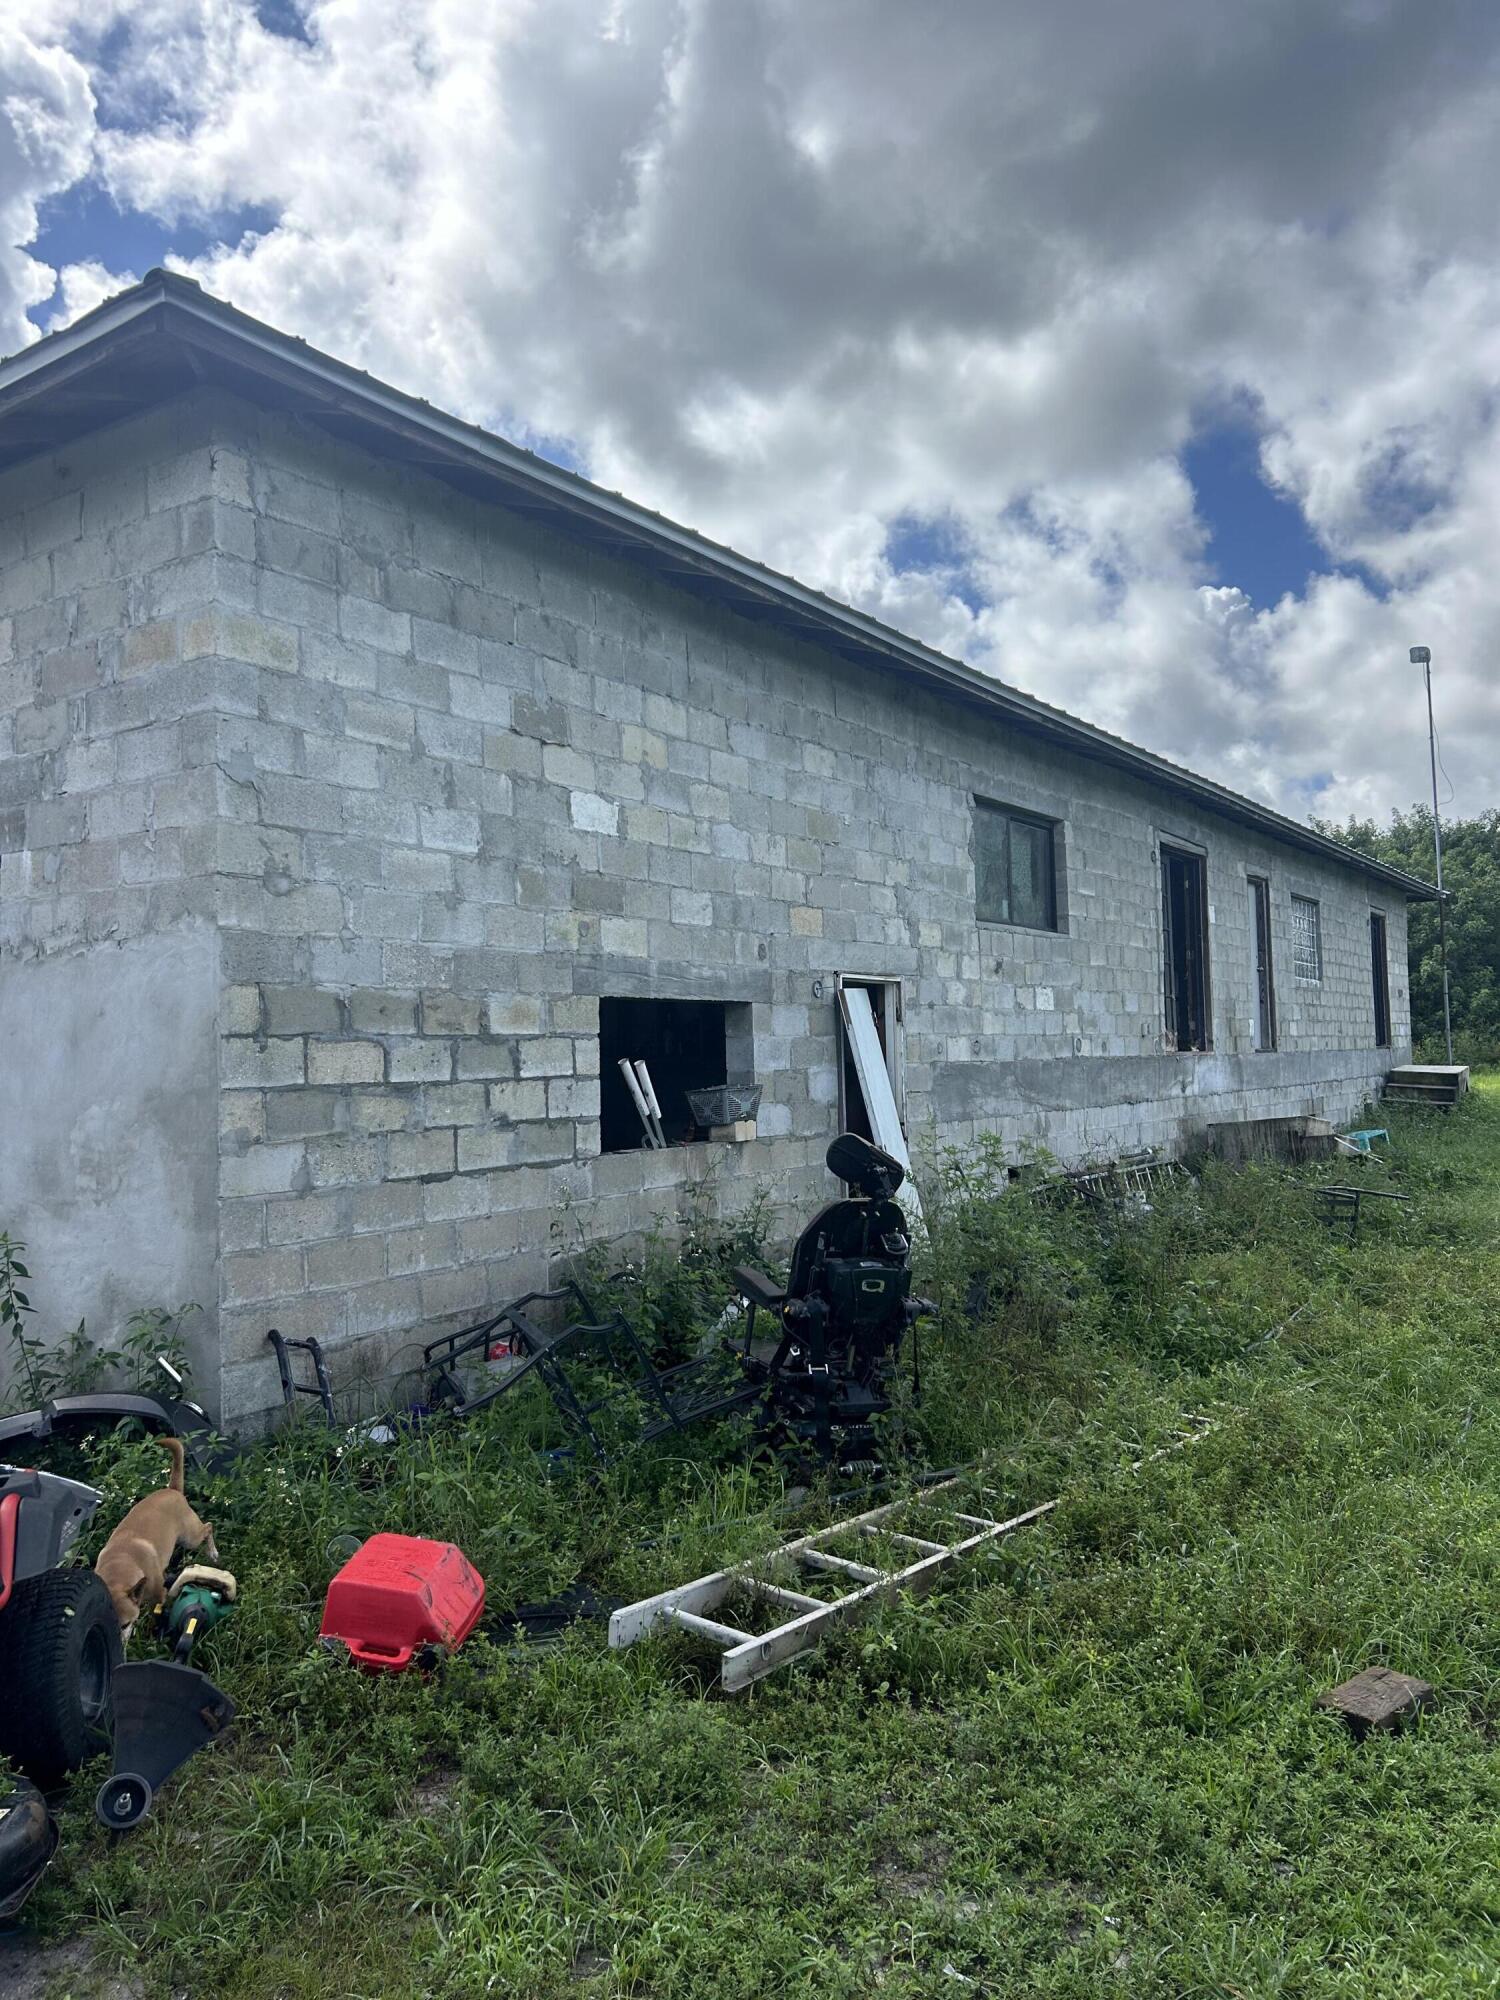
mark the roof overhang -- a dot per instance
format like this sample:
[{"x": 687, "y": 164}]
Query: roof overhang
[{"x": 167, "y": 335}]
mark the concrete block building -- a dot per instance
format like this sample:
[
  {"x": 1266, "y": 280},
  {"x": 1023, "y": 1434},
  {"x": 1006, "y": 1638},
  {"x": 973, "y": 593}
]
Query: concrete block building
[{"x": 369, "y": 787}]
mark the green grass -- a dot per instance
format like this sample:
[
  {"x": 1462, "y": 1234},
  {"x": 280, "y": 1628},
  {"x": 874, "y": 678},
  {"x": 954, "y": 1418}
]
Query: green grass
[{"x": 1091, "y": 1765}]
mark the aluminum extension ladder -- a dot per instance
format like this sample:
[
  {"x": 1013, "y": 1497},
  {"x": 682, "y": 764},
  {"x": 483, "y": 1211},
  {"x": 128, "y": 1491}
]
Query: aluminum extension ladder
[{"x": 763, "y": 1581}]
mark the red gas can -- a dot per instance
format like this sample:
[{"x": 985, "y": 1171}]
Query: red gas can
[{"x": 399, "y": 1593}]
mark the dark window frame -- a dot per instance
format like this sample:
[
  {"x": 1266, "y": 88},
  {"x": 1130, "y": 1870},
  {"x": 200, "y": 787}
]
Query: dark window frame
[
  {"x": 1380, "y": 978},
  {"x": 1314, "y": 931},
  {"x": 1187, "y": 951},
  {"x": 994, "y": 810},
  {"x": 1263, "y": 960}
]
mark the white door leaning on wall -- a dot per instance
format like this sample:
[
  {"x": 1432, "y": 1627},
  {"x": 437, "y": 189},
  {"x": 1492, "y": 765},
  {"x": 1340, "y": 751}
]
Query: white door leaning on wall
[{"x": 875, "y": 1083}]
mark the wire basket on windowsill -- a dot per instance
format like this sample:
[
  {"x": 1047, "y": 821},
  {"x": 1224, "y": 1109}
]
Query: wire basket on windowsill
[{"x": 723, "y": 1103}]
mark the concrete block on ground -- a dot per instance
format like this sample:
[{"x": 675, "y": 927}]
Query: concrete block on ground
[{"x": 1377, "y": 1699}]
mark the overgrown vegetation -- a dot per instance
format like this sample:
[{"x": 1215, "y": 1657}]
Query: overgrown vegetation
[
  {"x": 1090, "y": 1766},
  {"x": 38, "y": 1368}
]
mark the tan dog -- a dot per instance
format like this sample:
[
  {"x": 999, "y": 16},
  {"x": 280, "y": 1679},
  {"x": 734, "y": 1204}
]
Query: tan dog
[{"x": 134, "y": 1561}]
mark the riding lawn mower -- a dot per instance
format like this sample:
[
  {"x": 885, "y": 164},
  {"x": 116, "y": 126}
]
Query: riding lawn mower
[{"x": 66, "y": 1693}]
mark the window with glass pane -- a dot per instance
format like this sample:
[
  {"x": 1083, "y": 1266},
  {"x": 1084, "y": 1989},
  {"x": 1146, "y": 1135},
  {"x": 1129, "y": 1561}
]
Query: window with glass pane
[
  {"x": 1014, "y": 865},
  {"x": 1307, "y": 938}
]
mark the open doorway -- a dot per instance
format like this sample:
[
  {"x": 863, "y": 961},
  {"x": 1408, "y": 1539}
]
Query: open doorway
[
  {"x": 871, "y": 1073},
  {"x": 1184, "y": 902},
  {"x": 883, "y": 997},
  {"x": 1380, "y": 973}
]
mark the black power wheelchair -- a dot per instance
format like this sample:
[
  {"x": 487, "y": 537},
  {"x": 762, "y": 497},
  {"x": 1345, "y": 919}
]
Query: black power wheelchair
[{"x": 844, "y": 1312}]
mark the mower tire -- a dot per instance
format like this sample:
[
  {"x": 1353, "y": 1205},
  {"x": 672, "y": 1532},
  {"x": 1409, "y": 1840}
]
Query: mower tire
[{"x": 59, "y": 1647}]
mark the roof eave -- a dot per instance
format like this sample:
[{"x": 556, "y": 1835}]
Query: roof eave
[{"x": 179, "y": 306}]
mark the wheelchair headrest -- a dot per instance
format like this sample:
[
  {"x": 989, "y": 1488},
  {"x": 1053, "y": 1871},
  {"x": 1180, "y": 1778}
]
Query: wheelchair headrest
[{"x": 865, "y": 1167}]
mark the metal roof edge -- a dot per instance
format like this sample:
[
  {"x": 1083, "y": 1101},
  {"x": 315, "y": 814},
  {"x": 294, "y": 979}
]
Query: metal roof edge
[
  {"x": 184, "y": 306},
  {"x": 110, "y": 316}
]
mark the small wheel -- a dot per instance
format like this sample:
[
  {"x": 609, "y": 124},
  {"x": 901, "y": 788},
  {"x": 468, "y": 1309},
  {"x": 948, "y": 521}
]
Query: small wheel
[
  {"x": 59, "y": 1647},
  {"x": 123, "y": 1801}
]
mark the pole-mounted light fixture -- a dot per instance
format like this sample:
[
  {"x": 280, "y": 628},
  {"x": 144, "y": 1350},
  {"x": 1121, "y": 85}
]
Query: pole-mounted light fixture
[{"x": 1421, "y": 656}]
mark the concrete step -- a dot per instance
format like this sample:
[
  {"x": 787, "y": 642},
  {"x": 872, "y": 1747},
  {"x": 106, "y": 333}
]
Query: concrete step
[
  {"x": 1452, "y": 1076},
  {"x": 1439, "y": 1085}
]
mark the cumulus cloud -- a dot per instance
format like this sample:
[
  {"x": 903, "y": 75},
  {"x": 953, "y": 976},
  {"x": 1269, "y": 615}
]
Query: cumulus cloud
[
  {"x": 808, "y": 276},
  {"x": 46, "y": 133}
]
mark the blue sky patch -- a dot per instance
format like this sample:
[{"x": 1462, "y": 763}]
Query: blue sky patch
[
  {"x": 283, "y": 17},
  {"x": 84, "y": 223},
  {"x": 933, "y": 543},
  {"x": 1258, "y": 539}
]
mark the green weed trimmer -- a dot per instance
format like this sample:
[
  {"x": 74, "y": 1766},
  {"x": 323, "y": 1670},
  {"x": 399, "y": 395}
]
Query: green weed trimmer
[{"x": 198, "y": 1599}]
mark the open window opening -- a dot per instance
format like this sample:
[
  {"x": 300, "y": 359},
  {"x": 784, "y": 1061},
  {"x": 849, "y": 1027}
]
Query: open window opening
[
  {"x": 1380, "y": 973},
  {"x": 683, "y": 1046},
  {"x": 1184, "y": 900},
  {"x": 1263, "y": 990}
]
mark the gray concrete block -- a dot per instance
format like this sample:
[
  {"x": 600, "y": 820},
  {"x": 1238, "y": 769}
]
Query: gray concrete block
[
  {"x": 420, "y": 1061},
  {"x": 303, "y": 1114},
  {"x": 246, "y": 1062},
  {"x": 261, "y": 1274},
  {"x": 343, "y": 1161},
  {"x": 345, "y": 1262},
  {"x": 481, "y": 1149},
  {"x": 381, "y": 1012},
  {"x": 301, "y": 1010},
  {"x": 413, "y": 1154},
  {"x": 345, "y": 1062}
]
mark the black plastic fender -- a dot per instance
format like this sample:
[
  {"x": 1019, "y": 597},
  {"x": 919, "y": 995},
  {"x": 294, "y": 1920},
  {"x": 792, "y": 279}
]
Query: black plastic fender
[
  {"x": 164, "y": 1714},
  {"x": 28, "y": 1841}
]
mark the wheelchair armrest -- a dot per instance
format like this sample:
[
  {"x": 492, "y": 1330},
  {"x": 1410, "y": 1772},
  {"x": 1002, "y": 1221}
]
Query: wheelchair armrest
[
  {"x": 922, "y": 1308},
  {"x": 756, "y": 1286}
]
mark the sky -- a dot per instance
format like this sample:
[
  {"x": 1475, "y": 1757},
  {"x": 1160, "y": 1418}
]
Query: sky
[{"x": 1146, "y": 357}]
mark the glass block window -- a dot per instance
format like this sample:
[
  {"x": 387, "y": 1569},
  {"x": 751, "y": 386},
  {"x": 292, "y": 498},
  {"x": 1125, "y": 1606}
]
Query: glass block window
[
  {"x": 1307, "y": 938},
  {"x": 1014, "y": 868}
]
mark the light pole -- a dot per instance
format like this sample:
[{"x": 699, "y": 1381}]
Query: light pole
[{"x": 1421, "y": 656}]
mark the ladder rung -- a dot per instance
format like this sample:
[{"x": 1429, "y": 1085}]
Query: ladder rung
[
  {"x": 710, "y": 1628},
  {"x": 976, "y": 1520},
  {"x": 911, "y": 1541},
  {"x": 796, "y": 1597},
  {"x": 819, "y": 1559}
]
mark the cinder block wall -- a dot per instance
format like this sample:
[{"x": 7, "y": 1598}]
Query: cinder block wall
[
  {"x": 115, "y": 668},
  {"x": 436, "y": 779}
]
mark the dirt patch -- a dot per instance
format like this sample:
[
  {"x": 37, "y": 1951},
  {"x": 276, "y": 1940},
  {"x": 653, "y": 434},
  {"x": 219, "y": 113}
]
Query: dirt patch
[
  {"x": 34, "y": 1968},
  {"x": 432, "y": 1794},
  {"x": 919, "y": 1874}
]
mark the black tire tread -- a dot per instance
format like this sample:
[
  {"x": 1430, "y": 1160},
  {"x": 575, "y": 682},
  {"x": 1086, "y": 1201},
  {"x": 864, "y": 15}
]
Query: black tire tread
[{"x": 41, "y": 1727}]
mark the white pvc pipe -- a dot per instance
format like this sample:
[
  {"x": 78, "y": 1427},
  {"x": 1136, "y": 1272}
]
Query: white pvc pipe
[
  {"x": 644, "y": 1076},
  {"x": 640, "y": 1103}
]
